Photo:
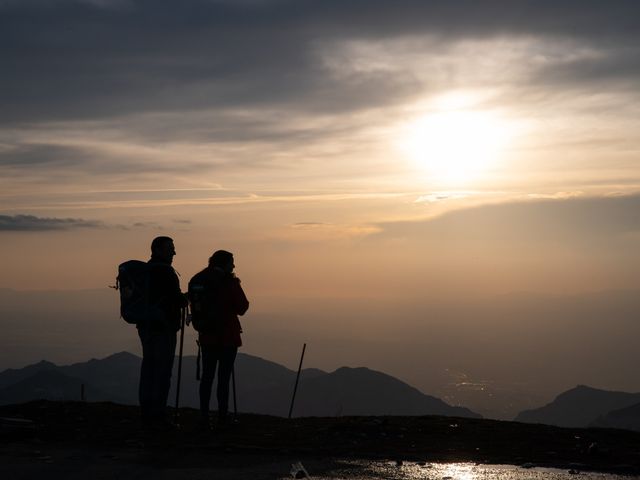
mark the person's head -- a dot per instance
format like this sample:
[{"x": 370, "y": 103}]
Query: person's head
[
  {"x": 223, "y": 260},
  {"x": 163, "y": 249}
]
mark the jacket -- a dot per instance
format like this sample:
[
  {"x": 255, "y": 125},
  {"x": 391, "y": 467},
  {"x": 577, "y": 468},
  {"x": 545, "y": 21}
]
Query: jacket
[
  {"x": 164, "y": 291},
  {"x": 225, "y": 294}
]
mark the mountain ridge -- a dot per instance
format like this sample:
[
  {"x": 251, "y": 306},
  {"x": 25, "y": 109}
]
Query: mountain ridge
[
  {"x": 578, "y": 407},
  {"x": 263, "y": 386}
]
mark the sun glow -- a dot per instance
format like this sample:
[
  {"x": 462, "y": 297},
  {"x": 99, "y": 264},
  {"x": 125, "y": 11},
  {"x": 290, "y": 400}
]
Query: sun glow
[{"x": 455, "y": 147}]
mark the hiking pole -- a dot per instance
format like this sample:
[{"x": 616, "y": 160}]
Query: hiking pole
[
  {"x": 295, "y": 388},
  {"x": 235, "y": 400},
  {"x": 183, "y": 317}
]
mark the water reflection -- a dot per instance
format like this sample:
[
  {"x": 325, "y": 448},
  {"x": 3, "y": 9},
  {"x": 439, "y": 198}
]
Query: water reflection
[
  {"x": 367, "y": 470},
  {"x": 458, "y": 471}
]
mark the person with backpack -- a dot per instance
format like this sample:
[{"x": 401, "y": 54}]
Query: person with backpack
[
  {"x": 217, "y": 299},
  {"x": 158, "y": 333}
]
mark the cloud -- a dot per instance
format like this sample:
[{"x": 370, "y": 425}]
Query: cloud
[
  {"x": 30, "y": 223},
  {"x": 147, "y": 225},
  {"x": 103, "y": 59},
  {"x": 440, "y": 197},
  {"x": 40, "y": 155},
  {"x": 609, "y": 225},
  {"x": 603, "y": 64},
  {"x": 309, "y": 224},
  {"x": 321, "y": 232},
  {"x": 60, "y": 151},
  {"x": 146, "y": 93}
]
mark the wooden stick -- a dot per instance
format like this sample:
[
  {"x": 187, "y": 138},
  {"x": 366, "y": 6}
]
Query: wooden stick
[{"x": 295, "y": 388}]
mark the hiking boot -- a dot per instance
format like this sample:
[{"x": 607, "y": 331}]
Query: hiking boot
[
  {"x": 147, "y": 421},
  {"x": 204, "y": 425},
  {"x": 223, "y": 419},
  {"x": 163, "y": 424},
  {"x": 225, "y": 422}
]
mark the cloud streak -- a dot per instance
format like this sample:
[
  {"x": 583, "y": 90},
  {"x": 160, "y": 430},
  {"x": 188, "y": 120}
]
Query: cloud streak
[
  {"x": 564, "y": 216},
  {"x": 31, "y": 223}
]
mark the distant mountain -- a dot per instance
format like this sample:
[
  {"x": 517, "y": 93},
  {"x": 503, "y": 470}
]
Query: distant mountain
[
  {"x": 50, "y": 385},
  {"x": 353, "y": 391},
  {"x": 261, "y": 387},
  {"x": 11, "y": 375},
  {"x": 116, "y": 374},
  {"x": 578, "y": 407},
  {"x": 627, "y": 418}
]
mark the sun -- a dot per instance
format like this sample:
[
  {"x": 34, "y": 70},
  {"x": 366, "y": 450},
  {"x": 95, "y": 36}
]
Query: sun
[{"x": 455, "y": 147}]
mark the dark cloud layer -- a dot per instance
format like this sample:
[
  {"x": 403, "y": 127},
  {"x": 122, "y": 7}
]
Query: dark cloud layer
[
  {"x": 70, "y": 159},
  {"x": 90, "y": 59},
  {"x": 30, "y": 223},
  {"x": 612, "y": 67}
]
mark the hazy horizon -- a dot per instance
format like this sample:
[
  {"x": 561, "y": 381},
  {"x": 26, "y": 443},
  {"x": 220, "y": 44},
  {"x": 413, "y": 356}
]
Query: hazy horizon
[{"x": 531, "y": 347}]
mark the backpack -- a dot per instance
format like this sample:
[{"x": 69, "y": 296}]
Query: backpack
[
  {"x": 133, "y": 283},
  {"x": 205, "y": 316}
]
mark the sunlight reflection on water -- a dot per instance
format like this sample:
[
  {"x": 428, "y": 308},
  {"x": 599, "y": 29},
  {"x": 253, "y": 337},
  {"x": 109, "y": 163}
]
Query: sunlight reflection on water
[{"x": 365, "y": 470}]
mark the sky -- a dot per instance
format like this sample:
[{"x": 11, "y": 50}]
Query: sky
[{"x": 431, "y": 188}]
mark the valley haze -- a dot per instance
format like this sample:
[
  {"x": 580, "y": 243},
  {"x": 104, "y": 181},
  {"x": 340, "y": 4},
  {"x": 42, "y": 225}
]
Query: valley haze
[{"x": 459, "y": 364}]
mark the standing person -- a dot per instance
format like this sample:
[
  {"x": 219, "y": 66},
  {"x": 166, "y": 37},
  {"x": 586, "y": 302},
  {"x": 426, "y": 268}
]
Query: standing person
[
  {"x": 158, "y": 334},
  {"x": 216, "y": 301}
]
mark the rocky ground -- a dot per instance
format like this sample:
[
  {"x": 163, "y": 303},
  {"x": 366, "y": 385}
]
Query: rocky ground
[{"x": 104, "y": 440}]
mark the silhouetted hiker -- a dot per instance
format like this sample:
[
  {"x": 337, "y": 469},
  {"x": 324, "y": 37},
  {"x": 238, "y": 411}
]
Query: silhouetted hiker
[
  {"x": 216, "y": 301},
  {"x": 158, "y": 334}
]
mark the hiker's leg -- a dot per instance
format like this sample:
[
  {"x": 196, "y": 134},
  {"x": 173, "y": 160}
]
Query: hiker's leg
[
  {"x": 165, "y": 345},
  {"x": 227, "y": 357},
  {"x": 145, "y": 386},
  {"x": 209, "y": 363}
]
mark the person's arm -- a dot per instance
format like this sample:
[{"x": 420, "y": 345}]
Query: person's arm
[
  {"x": 180, "y": 299},
  {"x": 240, "y": 302}
]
